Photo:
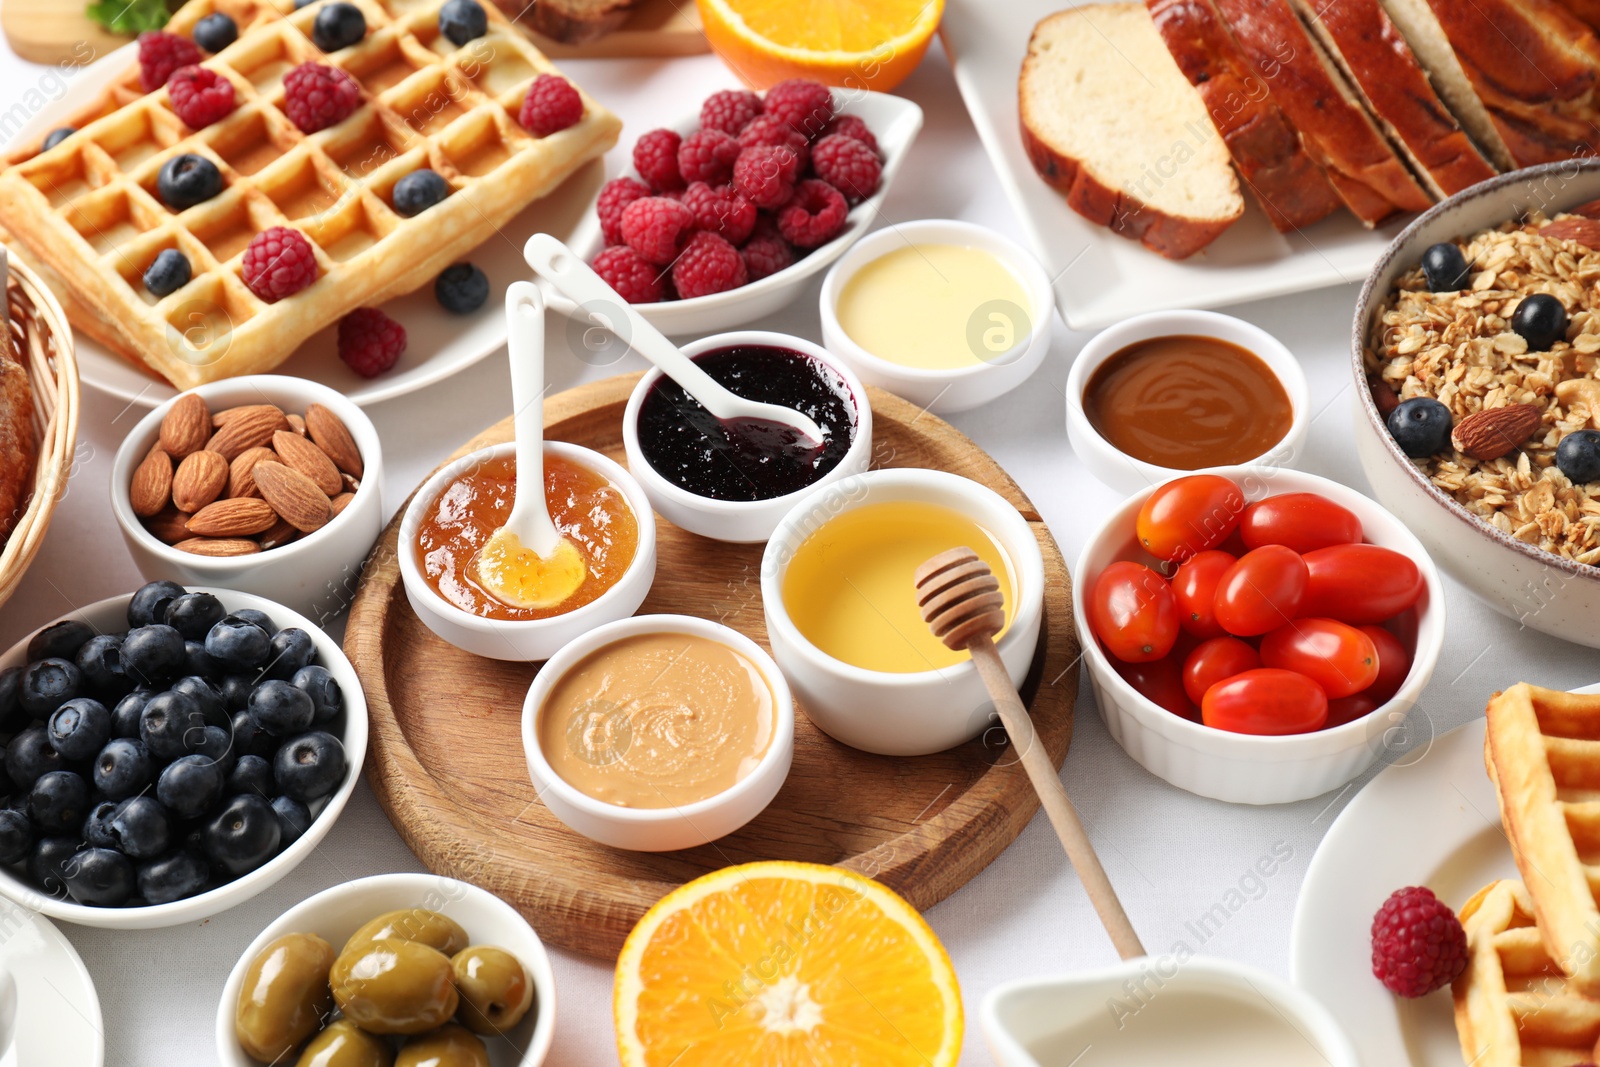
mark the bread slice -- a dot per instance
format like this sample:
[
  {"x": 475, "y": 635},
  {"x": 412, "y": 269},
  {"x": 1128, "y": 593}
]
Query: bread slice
[
  {"x": 1378, "y": 63},
  {"x": 1110, "y": 121},
  {"x": 1330, "y": 116},
  {"x": 1289, "y": 185}
]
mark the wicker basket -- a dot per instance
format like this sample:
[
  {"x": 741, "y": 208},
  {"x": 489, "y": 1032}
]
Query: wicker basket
[{"x": 44, "y": 344}]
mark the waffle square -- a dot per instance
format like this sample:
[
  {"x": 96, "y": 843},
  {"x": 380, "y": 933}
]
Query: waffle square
[{"x": 89, "y": 209}]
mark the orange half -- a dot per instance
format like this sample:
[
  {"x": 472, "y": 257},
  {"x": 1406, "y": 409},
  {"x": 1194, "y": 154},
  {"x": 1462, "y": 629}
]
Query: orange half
[{"x": 858, "y": 44}]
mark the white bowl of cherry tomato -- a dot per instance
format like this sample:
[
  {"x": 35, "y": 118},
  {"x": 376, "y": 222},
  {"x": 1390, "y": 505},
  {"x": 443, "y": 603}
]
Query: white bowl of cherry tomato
[{"x": 1257, "y": 635}]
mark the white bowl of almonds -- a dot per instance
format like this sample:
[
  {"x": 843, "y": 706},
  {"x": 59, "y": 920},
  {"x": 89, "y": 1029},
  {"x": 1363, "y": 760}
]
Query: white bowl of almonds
[{"x": 265, "y": 483}]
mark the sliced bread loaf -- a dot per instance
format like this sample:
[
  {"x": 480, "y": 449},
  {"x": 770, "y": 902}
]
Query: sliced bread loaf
[
  {"x": 1109, "y": 120},
  {"x": 1378, "y": 63},
  {"x": 1289, "y": 185}
]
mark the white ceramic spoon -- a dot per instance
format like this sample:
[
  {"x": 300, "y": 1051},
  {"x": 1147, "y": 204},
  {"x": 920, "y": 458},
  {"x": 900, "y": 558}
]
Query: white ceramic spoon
[{"x": 576, "y": 280}]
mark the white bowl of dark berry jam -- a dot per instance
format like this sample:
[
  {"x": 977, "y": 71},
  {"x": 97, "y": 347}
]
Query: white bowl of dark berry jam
[
  {"x": 734, "y": 481},
  {"x": 200, "y": 848}
]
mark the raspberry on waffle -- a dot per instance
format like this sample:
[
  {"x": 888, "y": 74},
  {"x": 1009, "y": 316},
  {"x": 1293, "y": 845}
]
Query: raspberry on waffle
[{"x": 91, "y": 211}]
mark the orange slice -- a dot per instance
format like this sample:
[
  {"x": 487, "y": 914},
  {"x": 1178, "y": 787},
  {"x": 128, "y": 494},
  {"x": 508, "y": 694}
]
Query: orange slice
[
  {"x": 859, "y": 44},
  {"x": 785, "y": 964}
]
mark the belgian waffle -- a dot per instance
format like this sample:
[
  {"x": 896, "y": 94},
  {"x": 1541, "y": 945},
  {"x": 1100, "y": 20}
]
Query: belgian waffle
[{"x": 89, "y": 208}]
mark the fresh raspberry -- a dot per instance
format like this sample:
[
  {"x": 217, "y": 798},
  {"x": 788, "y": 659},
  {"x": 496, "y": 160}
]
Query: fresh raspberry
[
  {"x": 1417, "y": 943},
  {"x": 814, "y": 215},
  {"x": 634, "y": 279},
  {"x": 655, "y": 157},
  {"x": 160, "y": 54},
  {"x": 766, "y": 174},
  {"x": 278, "y": 263},
  {"x": 848, "y": 165},
  {"x": 729, "y": 110},
  {"x": 708, "y": 265},
  {"x": 707, "y": 156},
  {"x": 766, "y": 252},
  {"x": 552, "y": 104},
  {"x": 656, "y": 228},
  {"x": 370, "y": 342},
  {"x": 615, "y": 195},
  {"x": 720, "y": 209},
  {"x": 805, "y": 105},
  {"x": 766, "y": 130},
  {"x": 200, "y": 96},
  {"x": 851, "y": 126},
  {"x": 318, "y": 96}
]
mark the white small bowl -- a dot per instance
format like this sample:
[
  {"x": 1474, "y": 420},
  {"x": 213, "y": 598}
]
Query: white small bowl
[
  {"x": 660, "y": 829},
  {"x": 740, "y": 521},
  {"x": 111, "y": 616},
  {"x": 317, "y": 573},
  {"x": 1248, "y": 768},
  {"x": 1128, "y": 475},
  {"x": 526, "y": 639},
  {"x": 915, "y": 713},
  {"x": 964, "y": 387},
  {"x": 894, "y": 121},
  {"x": 334, "y": 914}
]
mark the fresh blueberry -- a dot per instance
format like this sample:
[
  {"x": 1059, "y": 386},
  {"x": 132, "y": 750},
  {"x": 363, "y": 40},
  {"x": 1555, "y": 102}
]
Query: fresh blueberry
[
  {"x": 100, "y": 663},
  {"x": 153, "y": 655},
  {"x": 238, "y": 645},
  {"x": 129, "y": 710},
  {"x": 309, "y": 766},
  {"x": 1541, "y": 320},
  {"x": 298, "y": 4},
  {"x": 291, "y": 650},
  {"x": 57, "y": 135},
  {"x": 29, "y": 756},
  {"x": 48, "y": 684},
  {"x": 168, "y": 272},
  {"x": 318, "y": 683},
  {"x": 259, "y": 618},
  {"x": 48, "y": 863},
  {"x": 418, "y": 191},
  {"x": 280, "y": 709},
  {"x": 250, "y": 739},
  {"x": 16, "y": 836},
  {"x": 205, "y": 697},
  {"x": 79, "y": 728},
  {"x": 187, "y": 180},
  {"x": 252, "y": 774},
  {"x": 100, "y": 877},
  {"x": 236, "y": 689},
  {"x": 190, "y": 786},
  {"x": 59, "y": 802},
  {"x": 149, "y": 603},
  {"x": 461, "y": 289},
  {"x": 60, "y": 640},
  {"x": 141, "y": 827},
  {"x": 463, "y": 21},
  {"x": 243, "y": 835},
  {"x": 97, "y": 827},
  {"x": 338, "y": 26},
  {"x": 173, "y": 877},
  {"x": 1578, "y": 456},
  {"x": 1444, "y": 268},
  {"x": 197, "y": 661},
  {"x": 11, "y": 714},
  {"x": 294, "y": 818},
  {"x": 123, "y": 768},
  {"x": 215, "y": 32},
  {"x": 194, "y": 614},
  {"x": 1420, "y": 426},
  {"x": 167, "y": 722},
  {"x": 214, "y": 743}
]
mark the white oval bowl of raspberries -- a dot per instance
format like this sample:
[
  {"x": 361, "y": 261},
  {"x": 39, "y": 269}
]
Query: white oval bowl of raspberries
[{"x": 723, "y": 216}]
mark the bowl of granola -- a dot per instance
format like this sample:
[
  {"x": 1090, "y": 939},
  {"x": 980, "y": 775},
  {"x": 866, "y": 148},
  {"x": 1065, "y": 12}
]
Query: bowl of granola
[{"x": 1476, "y": 352}]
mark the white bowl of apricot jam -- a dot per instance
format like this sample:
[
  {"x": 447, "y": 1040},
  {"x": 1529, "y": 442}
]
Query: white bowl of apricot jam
[
  {"x": 1172, "y": 392},
  {"x": 593, "y": 501}
]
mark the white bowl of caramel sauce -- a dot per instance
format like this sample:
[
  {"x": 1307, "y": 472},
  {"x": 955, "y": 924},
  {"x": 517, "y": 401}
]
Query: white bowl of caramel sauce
[{"x": 1172, "y": 392}]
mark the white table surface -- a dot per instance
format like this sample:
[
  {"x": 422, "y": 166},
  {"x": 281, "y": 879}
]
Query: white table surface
[{"x": 1171, "y": 855}]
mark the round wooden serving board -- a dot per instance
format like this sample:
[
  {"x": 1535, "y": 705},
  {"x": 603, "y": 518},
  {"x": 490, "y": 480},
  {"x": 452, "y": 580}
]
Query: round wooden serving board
[{"x": 448, "y": 767}]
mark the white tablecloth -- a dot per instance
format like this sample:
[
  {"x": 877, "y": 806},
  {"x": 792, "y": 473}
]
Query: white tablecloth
[{"x": 1171, "y": 855}]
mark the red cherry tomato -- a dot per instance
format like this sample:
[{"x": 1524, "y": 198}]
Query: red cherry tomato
[
  {"x": 1349, "y": 709},
  {"x": 1394, "y": 663},
  {"x": 1189, "y": 515},
  {"x": 1261, "y": 592},
  {"x": 1214, "y": 661},
  {"x": 1133, "y": 612},
  {"x": 1160, "y": 682},
  {"x": 1301, "y": 521},
  {"x": 1266, "y": 701},
  {"x": 1195, "y": 586},
  {"x": 1359, "y": 584},
  {"x": 1336, "y": 656}
]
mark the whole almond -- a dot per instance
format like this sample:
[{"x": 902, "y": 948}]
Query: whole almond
[
  {"x": 186, "y": 427},
  {"x": 169, "y": 526},
  {"x": 227, "y": 415},
  {"x": 341, "y": 502},
  {"x": 351, "y": 485},
  {"x": 295, "y": 451},
  {"x": 1585, "y": 231},
  {"x": 237, "y": 517},
  {"x": 241, "y": 476},
  {"x": 324, "y": 427},
  {"x": 297, "y": 423},
  {"x": 295, "y": 498},
  {"x": 247, "y": 427},
  {"x": 280, "y": 534},
  {"x": 218, "y": 546},
  {"x": 151, "y": 487},
  {"x": 1489, "y": 434},
  {"x": 200, "y": 479}
]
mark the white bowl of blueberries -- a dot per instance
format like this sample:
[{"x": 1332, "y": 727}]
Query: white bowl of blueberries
[{"x": 171, "y": 754}]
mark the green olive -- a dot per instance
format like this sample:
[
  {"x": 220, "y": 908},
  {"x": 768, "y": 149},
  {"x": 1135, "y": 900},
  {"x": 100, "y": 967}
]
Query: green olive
[
  {"x": 389, "y": 986},
  {"x": 495, "y": 989},
  {"x": 449, "y": 1046},
  {"x": 284, "y": 996},
  {"x": 413, "y": 924},
  {"x": 344, "y": 1044}
]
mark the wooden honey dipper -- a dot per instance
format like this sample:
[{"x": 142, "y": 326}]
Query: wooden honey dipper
[{"x": 961, "y": 602}]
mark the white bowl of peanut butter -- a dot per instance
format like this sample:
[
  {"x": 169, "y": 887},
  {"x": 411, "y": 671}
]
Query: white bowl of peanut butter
[{"x": 658, "y": 732}]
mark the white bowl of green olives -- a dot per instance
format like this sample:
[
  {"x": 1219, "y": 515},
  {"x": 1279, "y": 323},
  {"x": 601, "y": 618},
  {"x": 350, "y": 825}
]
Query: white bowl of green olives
[{"x": 471, "y": 985}]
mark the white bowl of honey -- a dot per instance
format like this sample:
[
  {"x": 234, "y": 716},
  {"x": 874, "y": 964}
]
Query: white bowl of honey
[
  {"x": 594, "y": 502},
  {"x": 1171, "y": 392},
  {"x": 839, "y": 596}
]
